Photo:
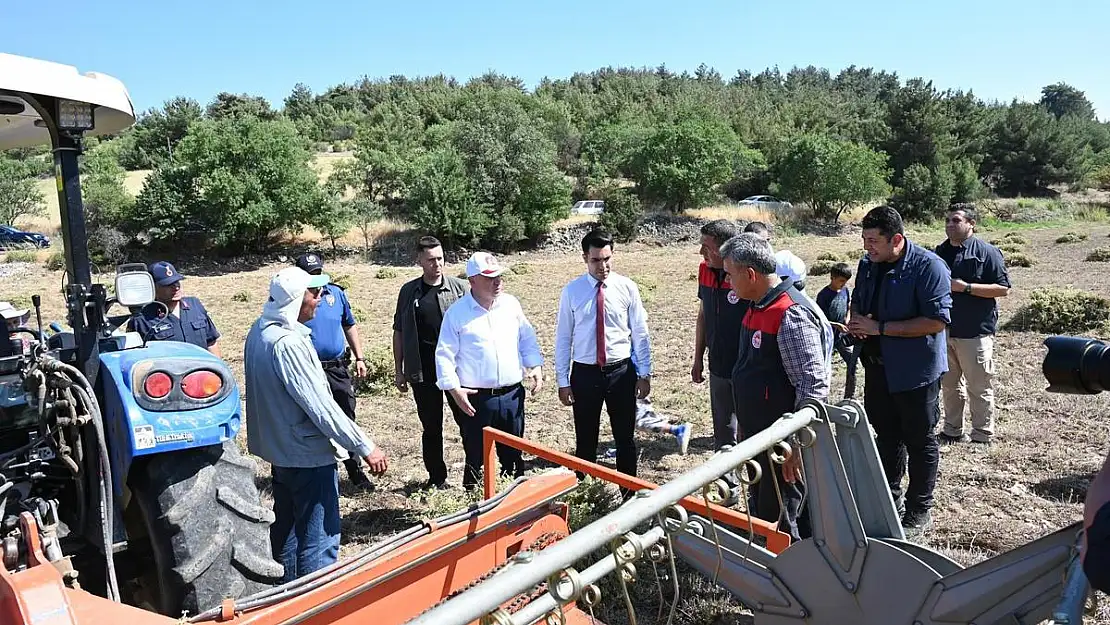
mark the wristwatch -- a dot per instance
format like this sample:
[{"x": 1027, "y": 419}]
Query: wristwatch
[
  {"x": 882, "y": 327},
  {"x": 967, "y": 289}
]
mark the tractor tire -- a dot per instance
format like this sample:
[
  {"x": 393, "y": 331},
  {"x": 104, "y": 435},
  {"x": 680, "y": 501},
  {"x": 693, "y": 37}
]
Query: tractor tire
[{"x": 208, "y": 531}]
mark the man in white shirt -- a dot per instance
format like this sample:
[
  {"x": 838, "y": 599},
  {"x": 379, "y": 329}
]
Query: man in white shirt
[
  {"x": 602, "y": 352},
  {"x": 486, "y": 348}
]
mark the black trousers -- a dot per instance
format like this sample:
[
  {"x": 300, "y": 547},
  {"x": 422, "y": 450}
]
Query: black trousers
[
  {"x": 614, "y": 386},
  {"x": 763, "y": 500},
  {"x": 429, "y": 407},
  {"x": 502, "y": 409},
  {"x": 905, "y": 425},
  {"x": 850, "y": 354},
  {"x": 343, "y": 390}
]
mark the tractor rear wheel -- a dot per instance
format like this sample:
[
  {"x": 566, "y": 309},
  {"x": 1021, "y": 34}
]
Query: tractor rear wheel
[{"x": 208, "y": 529}]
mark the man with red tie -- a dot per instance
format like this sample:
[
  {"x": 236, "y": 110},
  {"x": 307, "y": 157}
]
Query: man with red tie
[{"x": 602, "y": 352}]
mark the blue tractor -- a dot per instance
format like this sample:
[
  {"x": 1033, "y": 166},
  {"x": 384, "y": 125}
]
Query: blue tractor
[{"x": 122, "y": 450}]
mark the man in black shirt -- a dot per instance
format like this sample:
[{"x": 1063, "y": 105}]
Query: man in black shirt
[
  {"x": 416, "y": 322},
  {"x": 979, "y": 277}
]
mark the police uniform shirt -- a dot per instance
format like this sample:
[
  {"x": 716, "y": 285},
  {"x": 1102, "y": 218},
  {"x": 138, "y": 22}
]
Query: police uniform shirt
[
  {"x": 191, "y": 324},
  {"x": 333, "y": 314}
]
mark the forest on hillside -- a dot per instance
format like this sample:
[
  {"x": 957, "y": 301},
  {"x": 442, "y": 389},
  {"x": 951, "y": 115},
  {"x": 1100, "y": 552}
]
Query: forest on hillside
[{"x": 491, "y": 163}]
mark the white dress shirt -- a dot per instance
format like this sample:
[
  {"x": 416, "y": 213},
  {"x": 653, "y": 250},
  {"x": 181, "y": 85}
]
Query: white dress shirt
[
  {"x": 481, "y": 348},
  {"x": 626, "y": 330}
]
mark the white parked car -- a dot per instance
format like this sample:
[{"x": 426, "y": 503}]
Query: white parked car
[
  {"x": 766, "y": 202},
  {"x": 588, "y": 207}
]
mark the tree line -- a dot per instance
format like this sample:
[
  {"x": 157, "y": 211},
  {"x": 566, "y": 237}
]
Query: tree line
[{"x": 491, "y": 163}]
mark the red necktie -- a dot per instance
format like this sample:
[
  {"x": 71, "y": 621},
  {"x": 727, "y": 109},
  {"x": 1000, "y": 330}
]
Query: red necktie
[{"x": 601, "y": 324}]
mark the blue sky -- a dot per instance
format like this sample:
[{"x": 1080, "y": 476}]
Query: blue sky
[{"x": 1001, "y": 49}]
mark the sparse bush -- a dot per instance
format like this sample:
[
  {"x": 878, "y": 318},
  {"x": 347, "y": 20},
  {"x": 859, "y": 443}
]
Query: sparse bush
[
  {"x": 359, "y": 313},
  {"x": 522, "y": 268},
  {"x": 822, "y": 267},
  {"x": 833, "y": 256},
  {"x": 342, "y": 280},
  {"x": 386, "y": 273},
  {"x": 1010, "y": 248},
  {"x": 21, "y": 256},
  {"x": 1018, "y": 259},
  {"x": 56, "y": 261},
  {"x": 1099, "y": 255},
  {"x": 692, "y": 277},
  {"x": 1061, "y": 310},
  {"x": 1015, "y": 237},
  {"x": 241, "y": 296},
  {"x": 379, "y": 372},
  {"x": 647, "y": 286},
  {"x": 1072, "y": 237}
]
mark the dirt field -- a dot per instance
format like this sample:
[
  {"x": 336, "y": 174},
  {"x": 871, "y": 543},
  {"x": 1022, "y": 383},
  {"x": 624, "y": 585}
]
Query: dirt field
[{"x": 1030, "y": 482}]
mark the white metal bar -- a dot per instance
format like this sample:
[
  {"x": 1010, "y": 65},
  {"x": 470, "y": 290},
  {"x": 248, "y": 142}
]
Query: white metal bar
[{"x": 490, "y": 594}]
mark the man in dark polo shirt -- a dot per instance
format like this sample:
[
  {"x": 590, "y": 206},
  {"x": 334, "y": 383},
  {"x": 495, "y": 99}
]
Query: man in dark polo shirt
[
  {"x": 979, "y": 277},
  {"x": 333, "y": 330},
  {"x": 720, "y": 312},
  {"x": 900, "y": 311},
  {"x": 174, "y": 316},
  {"x": 784, "y": 357}
]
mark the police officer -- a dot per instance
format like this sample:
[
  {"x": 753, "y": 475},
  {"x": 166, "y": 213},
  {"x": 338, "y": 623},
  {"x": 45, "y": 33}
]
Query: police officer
[
  {"x": 173, "y": 316},
  {"x": 333, "y": 330}
]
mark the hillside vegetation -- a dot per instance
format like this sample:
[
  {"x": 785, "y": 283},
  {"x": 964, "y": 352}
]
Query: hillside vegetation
[{"x": 489, "y": 163}]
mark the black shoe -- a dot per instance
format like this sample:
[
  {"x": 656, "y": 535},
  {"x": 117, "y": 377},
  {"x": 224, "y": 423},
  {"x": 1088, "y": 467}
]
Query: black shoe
[
  {"x": 915, "y": 522},
  {"x": 360, "y": 481},
  {"x": 439, "y": 485},
  {"x": 948, "y": 439}
]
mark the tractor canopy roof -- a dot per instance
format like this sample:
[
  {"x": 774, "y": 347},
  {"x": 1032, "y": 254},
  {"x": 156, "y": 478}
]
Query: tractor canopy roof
[{"x": 21, "y": 125}]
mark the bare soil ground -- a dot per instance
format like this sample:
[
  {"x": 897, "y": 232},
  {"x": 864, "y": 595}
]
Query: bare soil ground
[{"x": 1029, "y": 483}]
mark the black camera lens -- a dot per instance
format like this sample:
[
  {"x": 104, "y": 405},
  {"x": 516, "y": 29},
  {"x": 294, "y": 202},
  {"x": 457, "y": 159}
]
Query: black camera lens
[{"x": 1076, "y": 365}]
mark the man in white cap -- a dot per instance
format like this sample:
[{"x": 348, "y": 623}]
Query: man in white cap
[
  {"x": 14, "y": 318},
  {"x": 294, "y": 423},
  {"x": 486, "y": 348}
]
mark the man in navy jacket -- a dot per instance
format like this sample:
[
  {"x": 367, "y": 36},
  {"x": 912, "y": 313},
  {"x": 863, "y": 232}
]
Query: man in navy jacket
[{"x": 900, "y": 313}]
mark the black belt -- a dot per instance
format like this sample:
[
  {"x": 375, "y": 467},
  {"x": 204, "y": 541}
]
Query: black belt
[
  {"x": 501, "y": 390},
  {"x": 607, "y": 367},
  {"x": 342, "y": 361}
]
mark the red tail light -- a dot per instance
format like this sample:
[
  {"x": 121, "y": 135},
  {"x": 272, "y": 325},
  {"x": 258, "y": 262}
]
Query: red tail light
[
  {"x": 157, "y": 385},
  {"x": 201, "y": 384}
]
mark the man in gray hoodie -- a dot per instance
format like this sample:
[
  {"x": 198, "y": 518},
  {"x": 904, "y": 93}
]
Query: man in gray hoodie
[{"x": 294, "y": 424}]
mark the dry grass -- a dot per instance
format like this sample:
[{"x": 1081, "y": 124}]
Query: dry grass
[{"x": 987, "y": 501}]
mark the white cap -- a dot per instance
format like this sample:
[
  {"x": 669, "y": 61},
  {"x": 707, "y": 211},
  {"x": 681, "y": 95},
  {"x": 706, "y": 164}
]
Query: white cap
[
  {"x": 484, "y": 264},
  {"x": 290, "y": 283},
  {"x": 7, "y": 311},
  {"x": 788, "y": 265}
]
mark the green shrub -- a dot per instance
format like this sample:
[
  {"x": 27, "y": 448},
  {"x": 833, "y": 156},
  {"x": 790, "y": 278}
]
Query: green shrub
[
  {"x": 521, "y": 269},
  {"x": 379, "y": 372},
  {"x": 1099, "y": 255},
  {"x": 1010, "y": 248},
  {"x": 21, "y": 256},
  {"x": 359, "y": 313},
  {"x": 1018, "y": 259},
  {"x": 1061, "y": 310},
  {"x": 622, "y": 216},
  {"x": 1071, "y": 237},
  {"x": 833, "y": 256},
  {"x": 822, "y": 267},
  {"x": 1015, "y": 237},
  {"x": 56, "y": 261},
  {"x": 241, "y": 296},
  {"x": 386, "y": 273}
]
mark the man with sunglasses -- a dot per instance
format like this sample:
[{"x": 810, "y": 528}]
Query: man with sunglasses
[
  {"x": 173, "y": 316},
  {"x": 335, "y": 338}
]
